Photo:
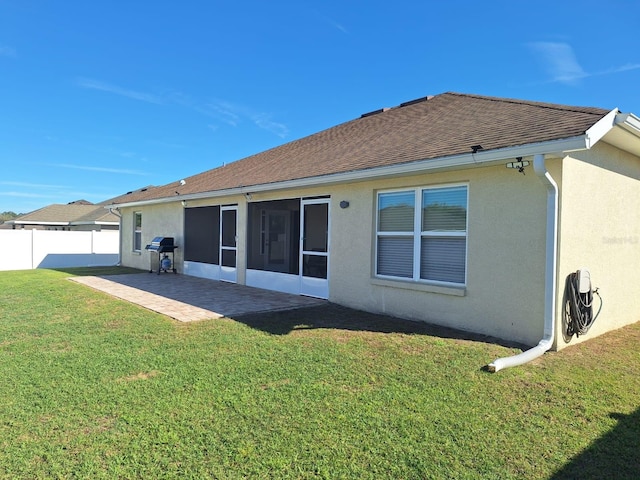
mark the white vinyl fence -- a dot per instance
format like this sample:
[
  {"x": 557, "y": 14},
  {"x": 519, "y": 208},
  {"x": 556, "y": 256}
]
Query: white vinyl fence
[{"x": 28, "y": 249}]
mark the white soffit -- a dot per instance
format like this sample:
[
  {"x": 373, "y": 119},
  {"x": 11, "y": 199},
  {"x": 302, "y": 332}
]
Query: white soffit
[{"x": 626, "y": 134}]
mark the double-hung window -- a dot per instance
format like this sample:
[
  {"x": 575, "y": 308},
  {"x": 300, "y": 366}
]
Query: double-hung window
[
  {"x": 422, "y": 234},
  {"x": 137, "y": 231}
]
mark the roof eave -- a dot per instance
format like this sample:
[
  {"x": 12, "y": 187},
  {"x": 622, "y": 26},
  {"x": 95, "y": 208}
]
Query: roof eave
[
  {"x": 453, "y": 162},
  {"x": 629, "y": 122},
  {"x": 94, "y": 223},
  {"x": 36, "y": 222},
  {"x": 603, "y": 126}
]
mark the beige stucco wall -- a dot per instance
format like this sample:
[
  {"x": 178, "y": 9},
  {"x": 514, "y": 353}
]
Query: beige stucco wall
[
  {"x": 600, "y": 230},
  {"x": 165, "y": 220},
  {"x": 504, "y": 296}
]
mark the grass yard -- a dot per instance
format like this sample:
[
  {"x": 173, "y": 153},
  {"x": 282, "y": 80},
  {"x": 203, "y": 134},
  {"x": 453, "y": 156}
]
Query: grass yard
[{"x": 93, "y": 387}]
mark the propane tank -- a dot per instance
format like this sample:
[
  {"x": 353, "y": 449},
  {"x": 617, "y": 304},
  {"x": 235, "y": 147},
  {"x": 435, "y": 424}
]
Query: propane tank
[{"x": 165, "y": 263}]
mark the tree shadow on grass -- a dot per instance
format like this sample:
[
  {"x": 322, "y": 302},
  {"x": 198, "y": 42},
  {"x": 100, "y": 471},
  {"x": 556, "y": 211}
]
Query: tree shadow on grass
[
  {"x": 332, "y": 316},
  {"x": 614, "y": 455}
]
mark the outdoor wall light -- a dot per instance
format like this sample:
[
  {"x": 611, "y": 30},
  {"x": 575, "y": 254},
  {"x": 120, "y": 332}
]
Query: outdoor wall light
[
  {"x": 184, "y": 203},
  {"x": 344, "y": 204},
  {"x": 519, "y": 164},
  {"x": 247, "y": 196}
]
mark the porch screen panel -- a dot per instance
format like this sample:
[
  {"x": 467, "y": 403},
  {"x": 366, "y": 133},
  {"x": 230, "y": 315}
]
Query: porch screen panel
[
  {"x": 202, "y": 234},
  {"x": 273, "y": 236}
]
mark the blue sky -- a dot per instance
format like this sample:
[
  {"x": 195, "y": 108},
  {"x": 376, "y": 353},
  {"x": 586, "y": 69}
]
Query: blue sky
[{"x": 101, "y": 97}]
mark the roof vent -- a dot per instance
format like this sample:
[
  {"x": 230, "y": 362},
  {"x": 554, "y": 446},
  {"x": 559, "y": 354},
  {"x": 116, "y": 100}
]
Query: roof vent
[
  {"x": 417, "y": 100},
  {"x": 375, "y": 112},
  {"x": 182, "y": 182}
]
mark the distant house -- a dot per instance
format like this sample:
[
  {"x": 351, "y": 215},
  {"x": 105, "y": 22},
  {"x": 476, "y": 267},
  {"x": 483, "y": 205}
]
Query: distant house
[
  {"x": 412, "y": 211},
  {"x": 78, "y": 215}
]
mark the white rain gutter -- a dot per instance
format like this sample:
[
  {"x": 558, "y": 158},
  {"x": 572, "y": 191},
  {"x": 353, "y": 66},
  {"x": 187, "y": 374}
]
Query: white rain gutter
[
  {"x": 549, "y": 274},
  {"x": 466, "y": 160}
]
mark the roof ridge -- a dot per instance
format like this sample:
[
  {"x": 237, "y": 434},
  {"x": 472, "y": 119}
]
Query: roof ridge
[{"x": 552, "y": 106}]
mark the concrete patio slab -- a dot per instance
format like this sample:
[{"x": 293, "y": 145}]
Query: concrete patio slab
[{"x": 187, "y": 298}]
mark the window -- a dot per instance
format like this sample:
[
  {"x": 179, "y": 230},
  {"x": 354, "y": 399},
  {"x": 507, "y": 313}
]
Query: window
[
  {"x": 137, "y": 231},
  {"x": 422, "y": 234}
]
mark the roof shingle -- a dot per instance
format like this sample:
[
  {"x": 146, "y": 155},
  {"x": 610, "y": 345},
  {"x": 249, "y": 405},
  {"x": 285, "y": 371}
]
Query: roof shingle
[{"x": 433, "y": 127}]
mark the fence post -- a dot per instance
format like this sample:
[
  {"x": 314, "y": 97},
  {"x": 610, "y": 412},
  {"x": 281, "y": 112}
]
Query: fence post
[{"x": 33, "y": 230}]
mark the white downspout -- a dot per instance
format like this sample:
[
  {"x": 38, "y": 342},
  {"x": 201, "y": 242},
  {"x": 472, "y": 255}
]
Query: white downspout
[{"x": 549, "y": 274}]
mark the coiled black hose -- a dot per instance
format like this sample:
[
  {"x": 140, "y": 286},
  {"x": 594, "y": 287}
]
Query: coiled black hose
[{"x": 578, "y": 315}]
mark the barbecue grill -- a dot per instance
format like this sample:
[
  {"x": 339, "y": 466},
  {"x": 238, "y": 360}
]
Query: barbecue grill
[{"x": 162, "y": 246}]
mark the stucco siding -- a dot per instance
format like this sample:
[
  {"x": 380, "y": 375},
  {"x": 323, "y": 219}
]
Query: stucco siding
[
  {"x": 165, "y": 220},
  {"x": 600, "y": 230},
  {"x": 504, "y": 293}
]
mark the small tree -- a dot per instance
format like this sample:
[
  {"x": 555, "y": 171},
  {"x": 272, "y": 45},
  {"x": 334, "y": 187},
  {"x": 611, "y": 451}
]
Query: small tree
[{"x": 4, "y": 216}]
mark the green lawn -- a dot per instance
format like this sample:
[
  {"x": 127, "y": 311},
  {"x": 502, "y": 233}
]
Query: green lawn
[{"x": 93, "y": 387}]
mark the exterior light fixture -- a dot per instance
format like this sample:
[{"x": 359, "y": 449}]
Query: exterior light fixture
[{"x": 519, "y": 164}]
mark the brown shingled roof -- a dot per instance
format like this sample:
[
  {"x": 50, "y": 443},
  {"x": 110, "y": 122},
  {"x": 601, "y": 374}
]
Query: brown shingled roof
[
  {"x": 59, "y": 214},
  {"x": 433, "y": 127}
]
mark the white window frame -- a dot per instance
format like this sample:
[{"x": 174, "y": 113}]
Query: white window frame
[
  {"x": 137, "y": 231},
  {"x": 418, "y": 234}
]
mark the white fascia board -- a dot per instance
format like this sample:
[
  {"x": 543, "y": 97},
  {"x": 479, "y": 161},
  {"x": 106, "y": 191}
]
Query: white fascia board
[
  {"x": 453, "y": 162},
  {"x": 94, "y": 223},
  {"x": 35, "y": 222},
  {"x": 601, "y": 127}
]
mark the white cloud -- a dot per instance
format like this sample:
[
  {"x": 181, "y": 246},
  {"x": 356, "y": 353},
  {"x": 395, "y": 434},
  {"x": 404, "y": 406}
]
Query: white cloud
[
  {"x": 223, "y": 111},
  {"x": 337, "y": 26},
  {"x": 93, "y": 84},
  {"x": 264, "y": 121},
  {"x": 122, "y": 171},
  {"x": 233, "y": 115},
  {"x": 561, "y": 63},
  {"x": 23, "y": 195},
  {"x": 331, "y": 21},
  {"x": 7, "y": 51},
  {"x": 623, "y": 68},
  {"x": 31, "y": 185}
]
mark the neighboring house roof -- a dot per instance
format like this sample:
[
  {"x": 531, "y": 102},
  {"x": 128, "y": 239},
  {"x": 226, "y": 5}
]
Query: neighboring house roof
[
  {"x": 66, "y": 215},
  {"x": 424, "y": 130}
]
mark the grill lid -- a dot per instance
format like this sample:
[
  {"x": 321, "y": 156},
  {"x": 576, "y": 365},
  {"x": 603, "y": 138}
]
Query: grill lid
[
  {"x": 162, "y": 241},
  {"x": 161, "y": 244}
]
